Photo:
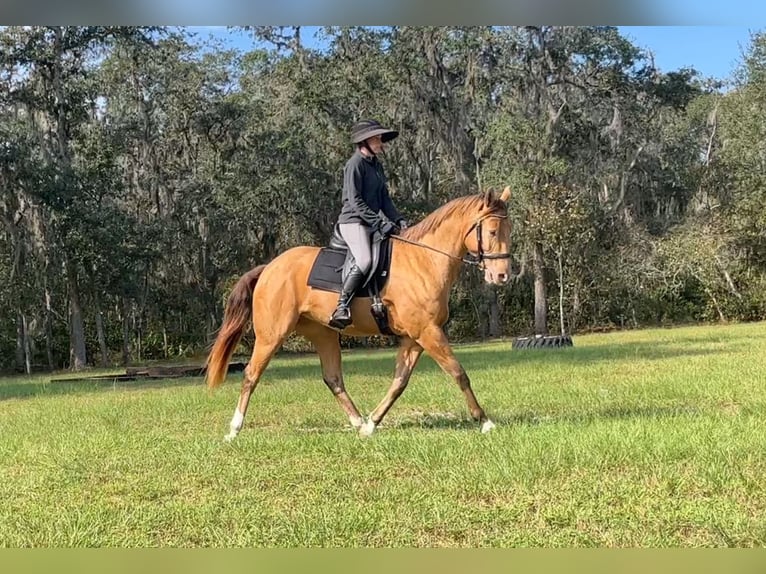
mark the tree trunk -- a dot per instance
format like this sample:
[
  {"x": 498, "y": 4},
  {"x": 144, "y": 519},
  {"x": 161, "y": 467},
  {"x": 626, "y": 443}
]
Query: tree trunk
[
  {"x": 480, "y": 318},
  {"x": 493, "y": 313},
  {"x": 125, "y": 332},
  {"x": 19, "y": 342},
  {"x": 77, "y": 354},
  {"x": 561, "y": 295},
  {"x": 574, "y": 317},
  {"x": 48, "y": 326},
  {"x": 27, "y": 351},
  {"x": 137, "y": 331},
  {"x": 101, "y": 334},
  {"x": 721, "y": 316},
  {"x": 541, "y": 304}
]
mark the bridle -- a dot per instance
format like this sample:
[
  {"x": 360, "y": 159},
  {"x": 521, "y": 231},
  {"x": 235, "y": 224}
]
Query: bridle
[{"x": 480, "y": 255}]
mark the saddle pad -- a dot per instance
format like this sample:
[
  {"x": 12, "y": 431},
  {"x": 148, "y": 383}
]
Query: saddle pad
[{"x": 326, "y": 271}]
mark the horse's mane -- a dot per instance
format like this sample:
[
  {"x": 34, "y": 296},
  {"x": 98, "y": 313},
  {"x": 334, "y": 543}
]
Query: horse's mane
[{"x": 437, "y": 217}]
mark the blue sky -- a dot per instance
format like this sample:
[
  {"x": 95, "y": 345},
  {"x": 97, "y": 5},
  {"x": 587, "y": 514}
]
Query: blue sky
[{"x": 714, "y": 51}]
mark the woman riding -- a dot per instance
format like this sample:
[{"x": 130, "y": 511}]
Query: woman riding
[{"x": 367, "y": 207}]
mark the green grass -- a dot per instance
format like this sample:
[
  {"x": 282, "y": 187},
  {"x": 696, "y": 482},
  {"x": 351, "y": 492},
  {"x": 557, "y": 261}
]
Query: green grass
[{"x": 646, "y": 438}]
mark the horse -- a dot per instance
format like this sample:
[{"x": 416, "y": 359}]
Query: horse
[{"x": 424, "y": 263}]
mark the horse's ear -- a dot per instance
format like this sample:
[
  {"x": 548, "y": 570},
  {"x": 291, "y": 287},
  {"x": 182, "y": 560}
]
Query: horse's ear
[
  {"x": 489, "y": 196},
  {"x": 506, "y": 195}
]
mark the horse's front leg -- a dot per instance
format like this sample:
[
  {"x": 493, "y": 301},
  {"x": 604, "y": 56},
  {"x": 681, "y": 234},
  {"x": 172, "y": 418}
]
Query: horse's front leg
[
  {"x": 436, "y": 344},
  {"x": 406, "y": 359},
  {"x": 327, "y": 343}
]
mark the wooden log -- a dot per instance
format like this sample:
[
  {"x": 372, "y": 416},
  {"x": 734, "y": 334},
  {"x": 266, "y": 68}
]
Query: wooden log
[{"x": 152, "y": 372}]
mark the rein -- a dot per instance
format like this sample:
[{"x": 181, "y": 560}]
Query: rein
[
  {"x": 411, "y": 242},
  {"x": 480, "y": 257}
]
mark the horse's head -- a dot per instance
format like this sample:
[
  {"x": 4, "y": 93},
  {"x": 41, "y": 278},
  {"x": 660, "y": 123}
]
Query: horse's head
[{"x": 489, "y": 237}]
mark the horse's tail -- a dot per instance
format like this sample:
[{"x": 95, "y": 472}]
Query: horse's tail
[{"x": 235, "y": 320}]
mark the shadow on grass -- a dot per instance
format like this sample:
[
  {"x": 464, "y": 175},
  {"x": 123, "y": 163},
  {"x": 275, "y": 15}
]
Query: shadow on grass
[
  {"x": 381, "y": 364},
  {"x": 460, "y": 421}
]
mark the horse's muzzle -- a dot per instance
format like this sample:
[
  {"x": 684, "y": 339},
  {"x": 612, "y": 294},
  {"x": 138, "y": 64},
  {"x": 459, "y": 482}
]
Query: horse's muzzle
[{"x": 496, "y": 278}]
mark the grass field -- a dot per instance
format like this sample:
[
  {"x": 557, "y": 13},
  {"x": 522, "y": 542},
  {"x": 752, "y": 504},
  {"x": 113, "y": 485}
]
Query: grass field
[{"x": 646, "y": 438}]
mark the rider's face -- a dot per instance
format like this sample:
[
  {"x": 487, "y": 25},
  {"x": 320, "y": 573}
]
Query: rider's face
[{"x": 376, "y": 144}]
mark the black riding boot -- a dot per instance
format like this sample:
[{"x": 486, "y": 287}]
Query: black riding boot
[{"x": 341, "y": 317}]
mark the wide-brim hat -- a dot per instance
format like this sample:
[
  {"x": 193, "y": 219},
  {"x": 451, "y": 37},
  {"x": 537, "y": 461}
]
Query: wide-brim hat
[{"x": 369, "y": 128}]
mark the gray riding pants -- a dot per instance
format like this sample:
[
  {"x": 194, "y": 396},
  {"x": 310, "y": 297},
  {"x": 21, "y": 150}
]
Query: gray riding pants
[{"x": 357, "y": 237}]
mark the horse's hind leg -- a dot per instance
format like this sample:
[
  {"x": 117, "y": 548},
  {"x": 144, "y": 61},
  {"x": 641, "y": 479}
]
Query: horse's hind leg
[
  {"x": 327, "y": 343},
  {"x": 268, "y": 339},
  {"x": 263, "y": 351}
]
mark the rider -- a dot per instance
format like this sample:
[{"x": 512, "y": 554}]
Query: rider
[{"x": 367, "y": 207}]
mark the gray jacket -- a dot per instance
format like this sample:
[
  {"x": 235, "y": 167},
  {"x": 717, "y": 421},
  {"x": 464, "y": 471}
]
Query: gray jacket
[{"x": 365, "y": 193}]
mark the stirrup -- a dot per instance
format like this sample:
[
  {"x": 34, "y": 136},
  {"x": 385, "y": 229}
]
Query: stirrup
[{"x": 344, "y": 320}]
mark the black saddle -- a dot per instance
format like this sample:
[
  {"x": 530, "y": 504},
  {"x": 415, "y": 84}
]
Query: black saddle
[{"x": 333, "y": 263}]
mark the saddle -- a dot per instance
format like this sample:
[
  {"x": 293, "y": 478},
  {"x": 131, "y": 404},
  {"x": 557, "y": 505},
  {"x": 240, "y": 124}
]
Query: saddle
[{"x": 333, "y": 262}]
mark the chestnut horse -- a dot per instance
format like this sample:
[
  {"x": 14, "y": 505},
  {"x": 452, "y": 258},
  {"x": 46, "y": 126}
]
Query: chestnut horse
[{"x": 425, "y": 260}]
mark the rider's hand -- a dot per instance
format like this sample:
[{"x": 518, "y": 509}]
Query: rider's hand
[
  {"x": 403, "y": 224},
  {"x": 387, "y": 229}
]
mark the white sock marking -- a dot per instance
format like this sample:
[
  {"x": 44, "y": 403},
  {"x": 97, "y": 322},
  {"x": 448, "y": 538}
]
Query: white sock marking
[
  {"x": 487, "y": 426},
  {"x": 367, "y": 428},
  {"x": 235, "y": 425}
]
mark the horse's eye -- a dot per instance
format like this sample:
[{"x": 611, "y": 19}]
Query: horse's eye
[{"x": 493, "y": 233}]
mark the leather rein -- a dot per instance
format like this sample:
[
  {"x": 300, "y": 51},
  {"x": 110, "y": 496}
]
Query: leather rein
[{"x": 480, "y": 256}]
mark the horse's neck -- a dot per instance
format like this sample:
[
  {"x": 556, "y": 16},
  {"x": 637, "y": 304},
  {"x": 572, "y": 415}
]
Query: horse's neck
[{"x": 449, "y": 239}]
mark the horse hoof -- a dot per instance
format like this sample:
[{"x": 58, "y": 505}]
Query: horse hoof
[
  {"x": 230, "y": 437},
  {"x": 367, "y": 429},
  {"x": 487, "y": 426}
]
